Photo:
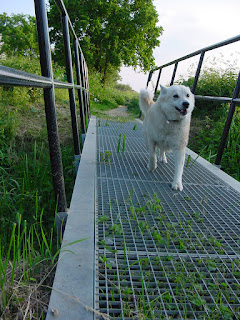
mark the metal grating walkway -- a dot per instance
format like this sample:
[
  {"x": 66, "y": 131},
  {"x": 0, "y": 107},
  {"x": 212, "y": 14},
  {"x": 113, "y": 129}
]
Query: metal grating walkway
[{"x": 162, "y": 254}]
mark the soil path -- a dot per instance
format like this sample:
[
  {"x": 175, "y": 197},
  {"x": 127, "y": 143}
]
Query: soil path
[{"x": 121, "y": 111}]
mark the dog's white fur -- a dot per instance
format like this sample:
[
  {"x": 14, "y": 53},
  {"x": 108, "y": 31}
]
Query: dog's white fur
[{"x": 166, "y": 126}]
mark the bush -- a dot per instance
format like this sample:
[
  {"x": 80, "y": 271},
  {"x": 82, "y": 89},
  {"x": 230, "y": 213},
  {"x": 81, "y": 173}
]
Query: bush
[
  {"x": 211, "y": 117},
  {"x": 215, "y": 81},
  {"x": 104, "y": 97}
]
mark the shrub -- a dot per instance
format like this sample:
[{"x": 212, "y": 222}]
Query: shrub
[{"x": 217, "y": 78}]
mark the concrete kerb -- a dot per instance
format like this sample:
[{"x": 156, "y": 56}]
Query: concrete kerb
[{"x": 72, "y": 295}]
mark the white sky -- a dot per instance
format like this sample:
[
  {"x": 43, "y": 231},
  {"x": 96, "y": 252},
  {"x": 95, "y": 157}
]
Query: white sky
[{"x": 188, "y": 26}]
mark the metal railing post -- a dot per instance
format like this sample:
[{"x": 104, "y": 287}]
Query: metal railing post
[
  {"x": 80, "y": 97},
  {"x": 87, "y": 90},
  {"x": 149, "y": 78},
  {"x": 68, "y": 57},
  {"x": 159, "y": 75},
  {"x": 83, "y": 84},
  {"x": 198, "y": 71},
  {"x": 228, "y": 122},
  {"x": 174, "y": 73},
  {"x": 50, "y": 109}
]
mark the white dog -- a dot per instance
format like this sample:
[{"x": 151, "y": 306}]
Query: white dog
[{"x": 166, "y": 126}]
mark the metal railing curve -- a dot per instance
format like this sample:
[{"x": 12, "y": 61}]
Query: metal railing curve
[
  {"x": 13, "y": 77},
  {"x": 234, "y": 100}
]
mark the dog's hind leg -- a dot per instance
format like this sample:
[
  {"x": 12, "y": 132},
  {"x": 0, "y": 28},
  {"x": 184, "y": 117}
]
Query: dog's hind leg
[
  {"x": 179, "y": 158},
  {"x": 152, "y": 164}
]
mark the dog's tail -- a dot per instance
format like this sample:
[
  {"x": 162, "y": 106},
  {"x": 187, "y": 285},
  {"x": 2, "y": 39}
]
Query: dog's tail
[{"x": 145, "y": 100}]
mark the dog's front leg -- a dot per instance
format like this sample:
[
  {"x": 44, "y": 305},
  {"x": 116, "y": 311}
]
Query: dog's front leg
[{"x": 179, "y": 158}]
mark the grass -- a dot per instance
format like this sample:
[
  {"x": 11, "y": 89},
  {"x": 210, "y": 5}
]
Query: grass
[
  {"x": 26, "y": 266},
  {"x": 28, "y": 237},
  {"x": 28, "y": 243},
  {"x": 208, "y": 137}
]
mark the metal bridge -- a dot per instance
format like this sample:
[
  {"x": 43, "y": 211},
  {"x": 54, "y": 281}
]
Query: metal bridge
[{"x": 149, "y": 252}]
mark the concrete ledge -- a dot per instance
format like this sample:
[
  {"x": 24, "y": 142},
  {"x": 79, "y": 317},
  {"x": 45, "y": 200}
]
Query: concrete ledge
[{"x": 72, "y": 296}]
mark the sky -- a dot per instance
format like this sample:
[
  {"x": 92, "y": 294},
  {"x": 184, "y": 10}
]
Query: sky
[{"x": 188, "y": 26}]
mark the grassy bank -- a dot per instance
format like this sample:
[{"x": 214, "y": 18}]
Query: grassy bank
[{"x": 28, "y": 237}]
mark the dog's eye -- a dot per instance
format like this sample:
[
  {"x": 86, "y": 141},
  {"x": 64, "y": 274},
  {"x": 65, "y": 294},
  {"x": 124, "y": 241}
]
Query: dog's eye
[
  {"x": 176, "y": 96},
  {"x": 188, "y": 95}
]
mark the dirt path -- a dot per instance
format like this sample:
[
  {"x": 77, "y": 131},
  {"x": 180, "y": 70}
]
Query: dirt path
[{"x": 121, "y": 111}]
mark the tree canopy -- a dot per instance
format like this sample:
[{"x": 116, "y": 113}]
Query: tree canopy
[
  {"x": 19, "y": 36},
  {"x": 111, "y": 32}
]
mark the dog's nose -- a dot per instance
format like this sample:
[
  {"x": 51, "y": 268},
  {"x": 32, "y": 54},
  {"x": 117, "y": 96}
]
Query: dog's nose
[{"x": 185, "y": 104}]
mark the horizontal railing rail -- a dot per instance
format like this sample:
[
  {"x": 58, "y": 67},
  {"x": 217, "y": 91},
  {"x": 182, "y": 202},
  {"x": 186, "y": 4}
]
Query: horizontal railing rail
[
  {"x": 14, "y": 77},
  {"x": 234, "y": 100}
]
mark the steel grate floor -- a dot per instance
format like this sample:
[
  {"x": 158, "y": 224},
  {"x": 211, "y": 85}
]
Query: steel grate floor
[{"x": 162, "y": 254}]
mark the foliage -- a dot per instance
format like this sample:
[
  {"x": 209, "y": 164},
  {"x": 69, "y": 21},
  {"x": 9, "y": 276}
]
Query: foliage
[
  {"x": 18, "y": 35},
  {"x": 217, "y": 78},
  {"x": 110, "y": 32},
  {"x": 21, "y": 96},
  {"x": 208, "y": 139},
  {"x": 133, "y": 106},
  {"x": 110, "y": 96}
]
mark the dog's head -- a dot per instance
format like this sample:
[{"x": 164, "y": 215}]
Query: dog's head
[{"x": 176, "y": 101}]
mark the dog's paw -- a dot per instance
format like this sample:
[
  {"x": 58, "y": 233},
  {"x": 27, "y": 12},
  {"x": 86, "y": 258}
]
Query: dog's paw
[
  {"x": 177, "y": 186},
  {"x": 163, "y": 159},
  {"x": 152, "y": 167}
]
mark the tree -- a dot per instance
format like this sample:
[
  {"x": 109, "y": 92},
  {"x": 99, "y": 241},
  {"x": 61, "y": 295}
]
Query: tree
[
  {"x": 19, "y": 36},
  {"x": 111, "y": 32}
]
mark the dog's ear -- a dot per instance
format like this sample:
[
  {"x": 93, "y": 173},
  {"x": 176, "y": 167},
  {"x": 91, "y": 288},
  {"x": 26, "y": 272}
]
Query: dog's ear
[{"x": 163, "y": 89}]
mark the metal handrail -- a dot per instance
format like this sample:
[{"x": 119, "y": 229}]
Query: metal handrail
[
  {"x": 234, "y": 100},
  {"x": 205, "y": 49},
  {"x": 14, "y": 77}
]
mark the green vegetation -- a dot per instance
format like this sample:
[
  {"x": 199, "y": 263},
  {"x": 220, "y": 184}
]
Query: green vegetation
[
  {"x": 18, "y": 34},
  {"x": 28, "y": 237},
  {"x": 209, "y": 117},
  {"x": 108, "y": 97}
]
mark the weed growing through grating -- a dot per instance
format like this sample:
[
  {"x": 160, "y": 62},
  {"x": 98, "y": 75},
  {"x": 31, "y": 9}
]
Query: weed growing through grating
[
  {"x": 123, "y": 143},
  {"x": 105, "y": 157}
]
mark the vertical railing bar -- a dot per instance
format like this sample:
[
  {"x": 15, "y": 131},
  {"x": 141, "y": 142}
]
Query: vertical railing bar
[
  {"x": 149, "y": 78},
  {"x": 174, "y": 73},
  {"x": 159, "y": 75},
  {"x": 87, "y": 91},
  {"x": 228, "y": 122},
  {"x": 68, "y": 57},
  {"x": 83, "y": 84},
  {"x": 80, "y": 98},
  {"x": 198, "y": 71},
  {"x": 50, "y": 108}
]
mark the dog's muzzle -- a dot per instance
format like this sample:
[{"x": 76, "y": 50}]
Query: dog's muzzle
[{"x": 183, "y": 110}]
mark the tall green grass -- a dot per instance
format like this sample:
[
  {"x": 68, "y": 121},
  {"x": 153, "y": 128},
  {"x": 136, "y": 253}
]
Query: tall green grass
[{"x": 28, "y": 237}]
